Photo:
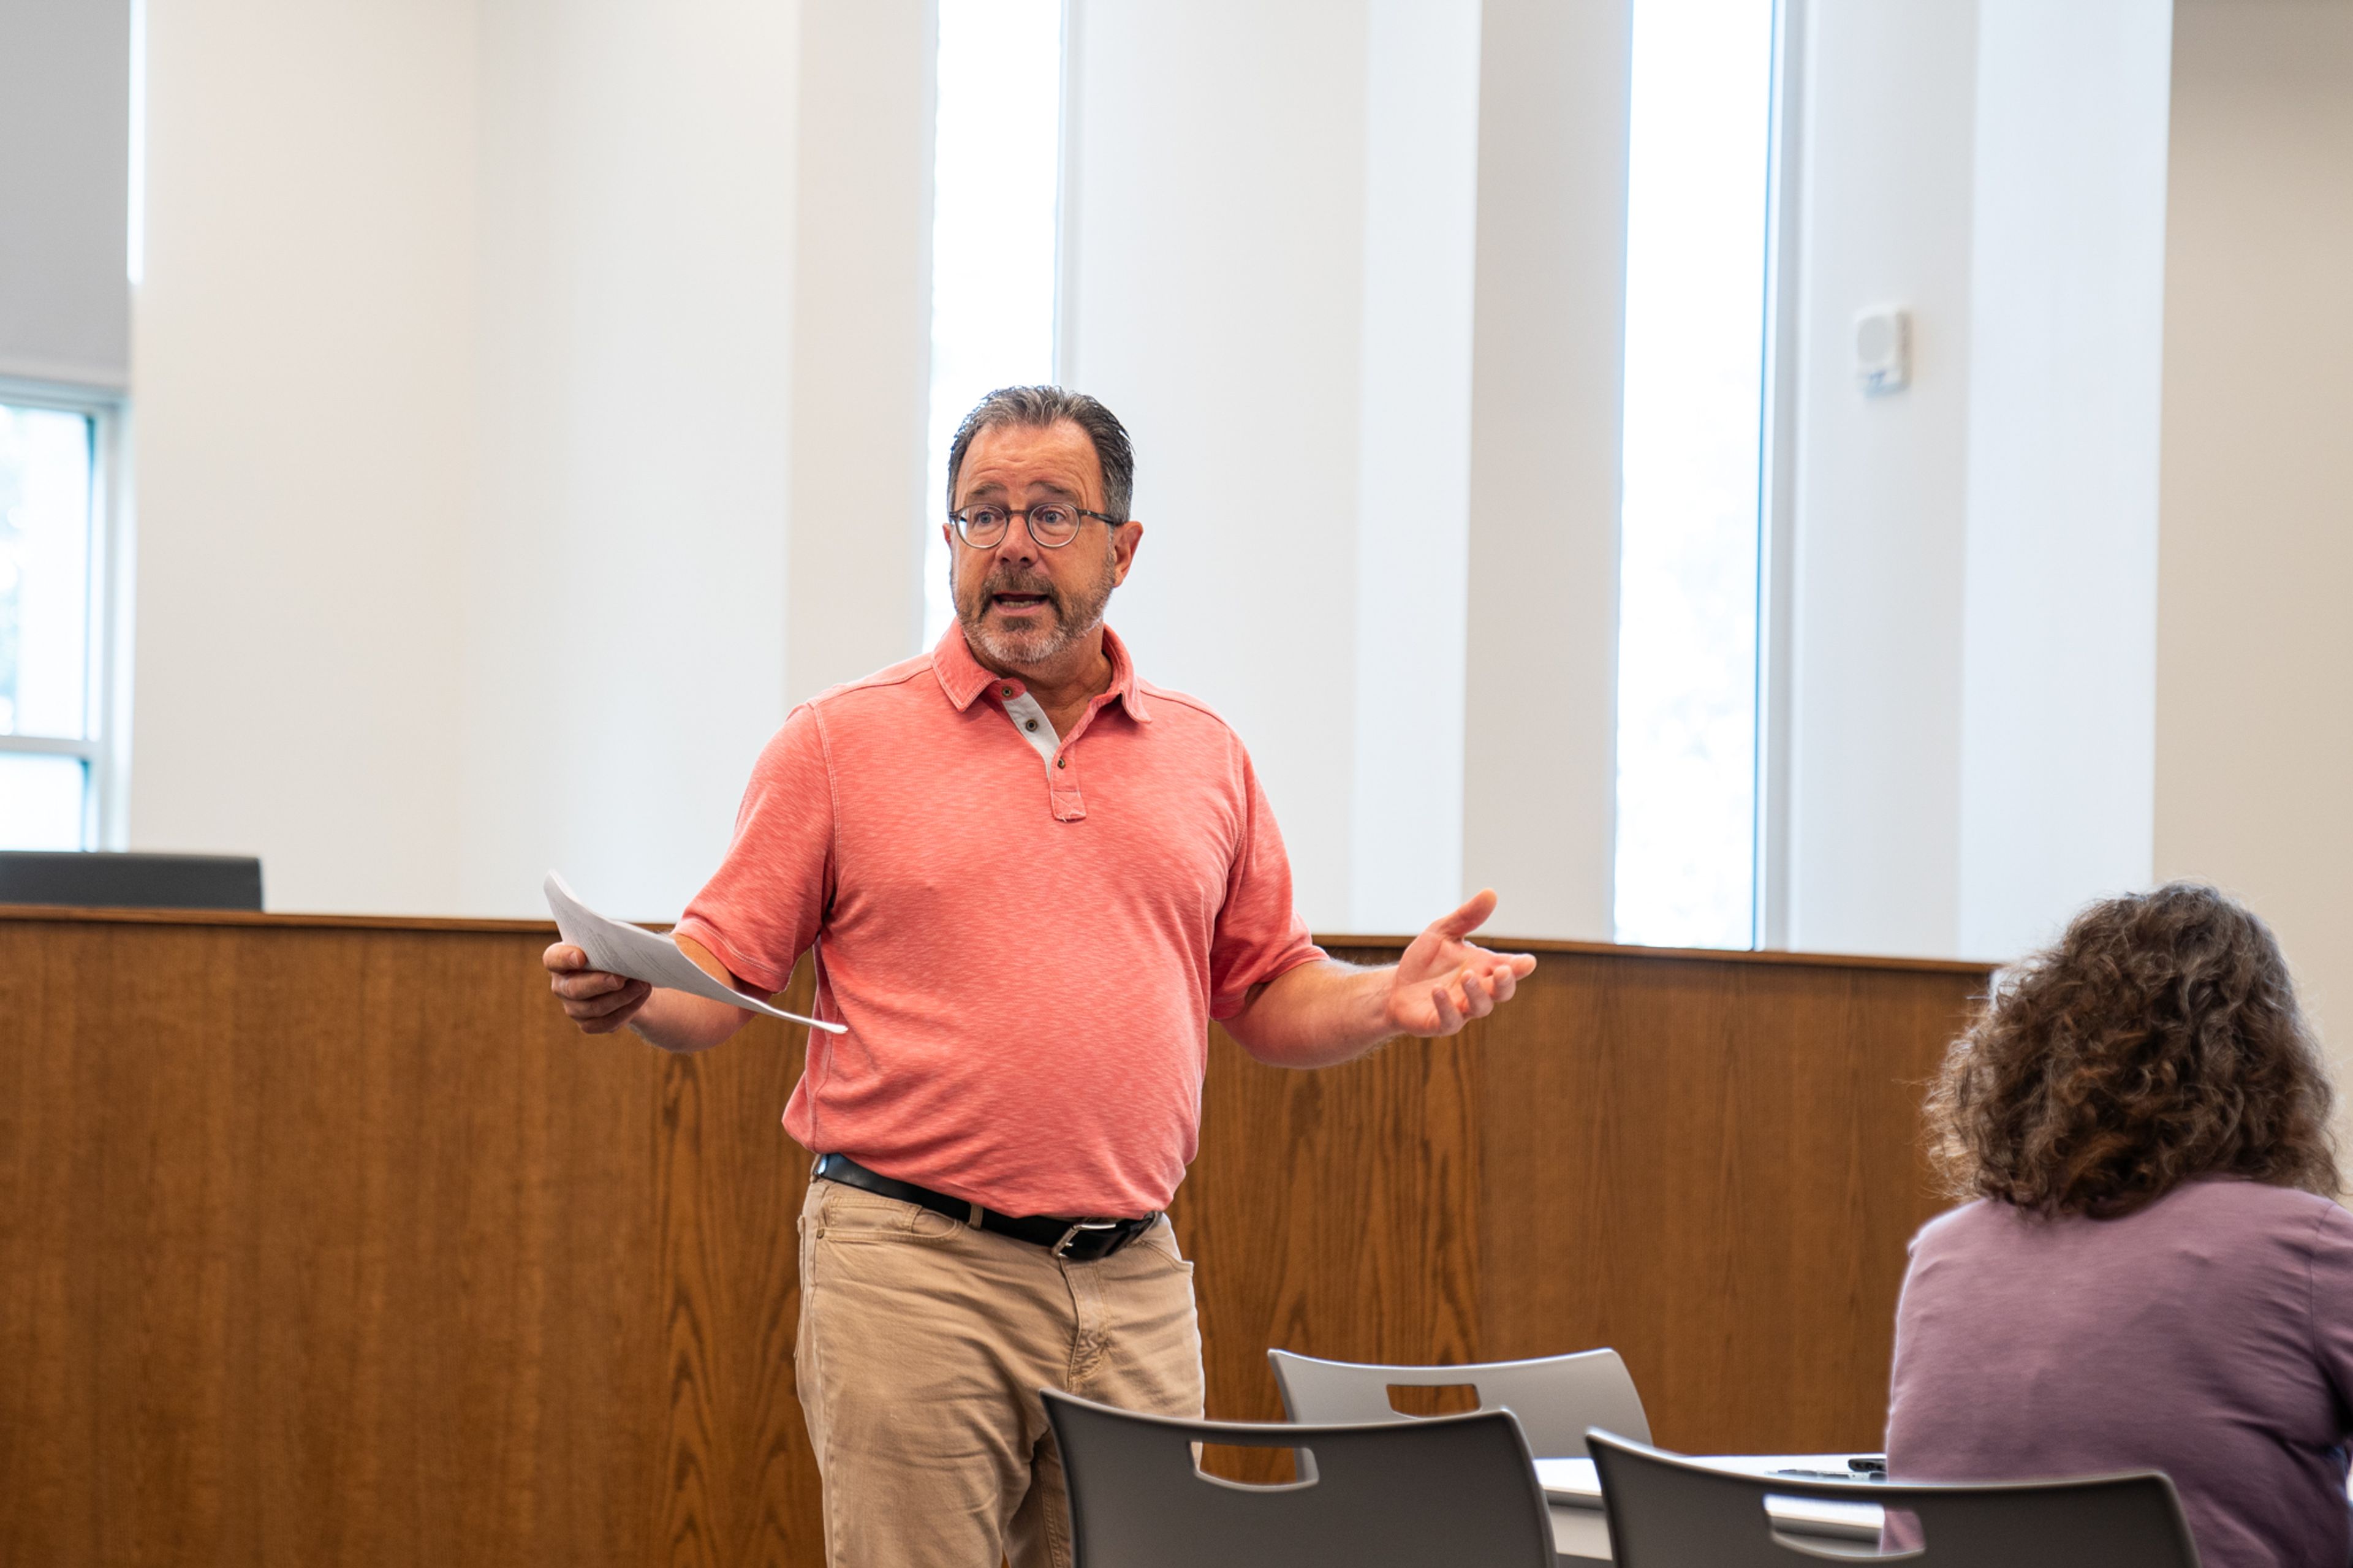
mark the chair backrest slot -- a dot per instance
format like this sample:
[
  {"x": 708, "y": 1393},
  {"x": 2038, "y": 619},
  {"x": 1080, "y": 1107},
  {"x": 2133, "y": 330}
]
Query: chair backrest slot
[
  {"x": 1419, "y": 1399},
  {"x": 1555, "y": 1398},
  {"x": 1254, "y": 1466}
]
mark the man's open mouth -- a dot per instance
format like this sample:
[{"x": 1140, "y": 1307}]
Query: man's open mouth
[{"x": 1018, "y": 601}]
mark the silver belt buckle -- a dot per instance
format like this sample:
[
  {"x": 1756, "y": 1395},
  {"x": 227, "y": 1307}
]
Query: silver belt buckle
[{"x": 1063, "y": 1247}]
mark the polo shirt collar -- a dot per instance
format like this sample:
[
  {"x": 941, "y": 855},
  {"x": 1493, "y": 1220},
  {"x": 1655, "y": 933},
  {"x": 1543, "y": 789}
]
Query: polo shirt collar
[{"x": 962, "y": 677}]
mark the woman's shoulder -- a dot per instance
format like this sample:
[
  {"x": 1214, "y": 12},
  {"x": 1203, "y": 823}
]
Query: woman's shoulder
[
  {"x": 2235, "y": 1202},
  {"x": 1961, "y": 1226},
  {"x": 2226, "y": 1206}
]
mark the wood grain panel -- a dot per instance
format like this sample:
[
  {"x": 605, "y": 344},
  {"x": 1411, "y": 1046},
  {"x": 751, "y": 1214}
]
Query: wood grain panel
[
  {"x": 1713, "y": 1167},
  {"x": 334, "y": 1245},
  {"x": 328, "y": 1241},
  {"x": 1332, "y": 1213}
]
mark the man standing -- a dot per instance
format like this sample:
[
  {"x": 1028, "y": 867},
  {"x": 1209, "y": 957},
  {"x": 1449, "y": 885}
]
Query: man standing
[{"x": 1030, "y": 879}]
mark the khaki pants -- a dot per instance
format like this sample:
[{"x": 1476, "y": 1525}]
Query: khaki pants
[{"x": 923, "y": 1346}]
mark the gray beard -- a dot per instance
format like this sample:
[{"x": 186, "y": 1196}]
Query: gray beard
[{"x": 1074, "y": 618}]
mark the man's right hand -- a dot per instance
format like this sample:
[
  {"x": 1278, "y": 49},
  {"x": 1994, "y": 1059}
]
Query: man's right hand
[{"x": 599, "y": 1003}]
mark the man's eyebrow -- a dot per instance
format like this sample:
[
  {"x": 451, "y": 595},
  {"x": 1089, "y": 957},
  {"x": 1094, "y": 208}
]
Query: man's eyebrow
[{"x": 995, "y": 491}]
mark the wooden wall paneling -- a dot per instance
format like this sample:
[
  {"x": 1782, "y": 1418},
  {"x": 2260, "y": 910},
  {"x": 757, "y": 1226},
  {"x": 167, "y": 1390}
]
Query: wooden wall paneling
[
  {"x": 1556, "y": 1241},
  {"x": 1720, "y": 1161},
  {"x": 1333, "y": 1212},
  {"x": 739, "y": 1467},
  {"x": 1872, "y": 1047},
  {"x": 330, "y": 1242},
  {"x": 49, "y": 1361}
]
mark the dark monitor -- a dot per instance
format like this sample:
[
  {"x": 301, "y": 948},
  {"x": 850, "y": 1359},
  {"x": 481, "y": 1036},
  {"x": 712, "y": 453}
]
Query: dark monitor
[{"x": 97, "y": 878}]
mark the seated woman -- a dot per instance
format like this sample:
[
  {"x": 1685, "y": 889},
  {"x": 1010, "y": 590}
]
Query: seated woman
[{"x": 2155, "y": 1273}]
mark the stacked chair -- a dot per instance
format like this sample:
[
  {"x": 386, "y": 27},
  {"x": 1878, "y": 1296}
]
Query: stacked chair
[
  {"x": 1555, "y": 1398},
  {"x": 1671, "y": 1513},
  {"x": 1458, "y": 1491},
  {"x": 1379, "y": 1489}
]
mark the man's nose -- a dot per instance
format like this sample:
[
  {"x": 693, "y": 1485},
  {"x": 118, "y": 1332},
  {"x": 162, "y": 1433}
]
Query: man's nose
[{"x": 1017, "y": 546}]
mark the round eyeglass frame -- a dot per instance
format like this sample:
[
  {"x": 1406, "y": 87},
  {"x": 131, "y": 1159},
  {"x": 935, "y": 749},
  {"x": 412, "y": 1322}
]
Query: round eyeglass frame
[{"x": 961, "y": 521}]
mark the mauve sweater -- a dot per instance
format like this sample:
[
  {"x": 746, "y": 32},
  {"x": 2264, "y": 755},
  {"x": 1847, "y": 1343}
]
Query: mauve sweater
[{"x": 2209, "y": 1335}]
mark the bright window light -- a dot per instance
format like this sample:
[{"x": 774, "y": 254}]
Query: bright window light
[
  {"x": 1695, "y": 358},
  {"x": 997, "y": 179},
  {"x": 47, "y": 485}
]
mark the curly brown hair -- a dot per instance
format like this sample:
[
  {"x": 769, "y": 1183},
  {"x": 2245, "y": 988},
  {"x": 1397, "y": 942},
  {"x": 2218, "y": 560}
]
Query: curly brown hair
[{"x": 2158, "y": 1042}]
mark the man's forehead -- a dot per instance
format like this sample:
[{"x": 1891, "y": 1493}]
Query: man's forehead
[{"x": 1056, "y": 456}]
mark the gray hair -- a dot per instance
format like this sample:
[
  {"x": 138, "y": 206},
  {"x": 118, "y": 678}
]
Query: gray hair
[{"x": 1039, "y": 406}]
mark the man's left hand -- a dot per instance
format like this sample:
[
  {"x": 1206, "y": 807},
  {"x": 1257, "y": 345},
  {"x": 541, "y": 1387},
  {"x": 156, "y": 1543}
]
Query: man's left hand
[{"x": 1444, "y": 979}]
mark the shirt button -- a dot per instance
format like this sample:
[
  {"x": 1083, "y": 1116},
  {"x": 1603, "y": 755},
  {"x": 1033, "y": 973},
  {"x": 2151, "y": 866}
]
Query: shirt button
[
  {"x": 1061, "y": 762},
  {"x": 1008, "y": 691},
  {"x": 1030, "y": 724}
]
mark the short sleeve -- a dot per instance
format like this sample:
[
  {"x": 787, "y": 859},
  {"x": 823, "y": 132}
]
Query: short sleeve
[
  {"x": 1258, "y": 934},
  {"x": 2332, "y": 1302},
  {"x": 763, "y": 907}
]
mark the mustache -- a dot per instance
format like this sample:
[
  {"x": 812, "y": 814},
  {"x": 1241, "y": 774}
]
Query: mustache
[{"x": 1018, "y": 582}]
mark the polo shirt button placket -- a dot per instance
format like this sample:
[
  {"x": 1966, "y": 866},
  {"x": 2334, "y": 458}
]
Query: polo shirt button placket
[{"x": 1062, "y": 788}]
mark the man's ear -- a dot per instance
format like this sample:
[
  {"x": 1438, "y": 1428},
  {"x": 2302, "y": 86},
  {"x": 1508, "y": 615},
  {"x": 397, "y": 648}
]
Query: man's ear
[{"x": 1123, "y": 541}]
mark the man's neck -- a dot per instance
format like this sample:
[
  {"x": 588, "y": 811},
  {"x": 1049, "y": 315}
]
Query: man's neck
[{"x": 1064, "y": 684}]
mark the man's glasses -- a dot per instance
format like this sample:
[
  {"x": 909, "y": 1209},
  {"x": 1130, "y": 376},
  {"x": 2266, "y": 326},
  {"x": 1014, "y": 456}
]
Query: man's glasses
[{"x": 1052, "y": 524}]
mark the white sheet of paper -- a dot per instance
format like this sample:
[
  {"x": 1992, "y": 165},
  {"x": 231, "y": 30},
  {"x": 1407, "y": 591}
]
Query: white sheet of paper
[{"x": 619, "y": 948}]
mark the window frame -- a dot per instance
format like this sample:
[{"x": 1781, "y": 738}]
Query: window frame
[
  {"x": 1777, "y": 501},
  {"x": 104, "y": 751}
]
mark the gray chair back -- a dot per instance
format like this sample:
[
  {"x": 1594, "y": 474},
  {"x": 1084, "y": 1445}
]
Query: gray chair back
[
  {"x": 1555, "y": 1398},
  {"x": 1669, "y": 1512},
  {"x": 1459, "y": 1490}
]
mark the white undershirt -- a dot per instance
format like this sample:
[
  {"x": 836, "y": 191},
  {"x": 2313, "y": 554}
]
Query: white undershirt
[{"x": 1028, "y": 716}]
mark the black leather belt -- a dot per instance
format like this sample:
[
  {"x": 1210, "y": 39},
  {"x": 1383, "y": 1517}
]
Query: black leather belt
[{"x": 1079, "y": 1240}]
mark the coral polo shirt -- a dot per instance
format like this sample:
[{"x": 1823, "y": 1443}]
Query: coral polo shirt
[{"x": 1027, "y": 937}]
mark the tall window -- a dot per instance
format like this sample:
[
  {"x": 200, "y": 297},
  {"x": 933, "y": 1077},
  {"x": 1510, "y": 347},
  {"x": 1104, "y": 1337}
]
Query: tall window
[
  {"x": 997, "y": 178},
  {"x": 52, "y": 693},
  {"x": 1695, "y": 322}
]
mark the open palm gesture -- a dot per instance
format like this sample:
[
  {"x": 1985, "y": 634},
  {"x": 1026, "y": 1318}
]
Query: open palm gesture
[{"x": 1445, "y": 980}]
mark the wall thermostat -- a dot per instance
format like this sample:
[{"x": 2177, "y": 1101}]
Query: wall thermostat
[{"x": 1883, "y": 350}]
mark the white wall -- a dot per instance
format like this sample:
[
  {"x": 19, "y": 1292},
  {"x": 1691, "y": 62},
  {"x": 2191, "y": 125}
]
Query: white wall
[
  {"x": 1380, "y": 521},
  {"x": 626, "y": 578},
  {"x": 1413, "y": 456},
  {"x": 1547, "y": 380},
  {"x": 861, "y": 340},
  {"x": 1875, "y": 676},
  {"x": 2254, "y": 713},
  {"x": 462, "y": 388},
  {"x": 65, "y": 116},
  {"x": 2059, "y": 594},
  {"x": 1218, "y": 207},
  {"x": 1972, "y": 616},
  {"x": 303, "y": 352},
  {"x": 474, "y": 358}
]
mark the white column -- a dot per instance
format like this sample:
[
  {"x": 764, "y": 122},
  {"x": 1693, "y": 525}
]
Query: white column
[
  {"x": 2059, "y": 592},
  {"x": 862, "y": 339},
  {"x": 1216, "y": 209},
  {"x": 1539, "y": 759},
  {"x": 1973, "y": 614},
  {"x": 625, "y": 654},
  {"x": 1421, "y": 162},
  {"x": 306, "y": 425},
  {"x": 1875, "y": 612}
]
